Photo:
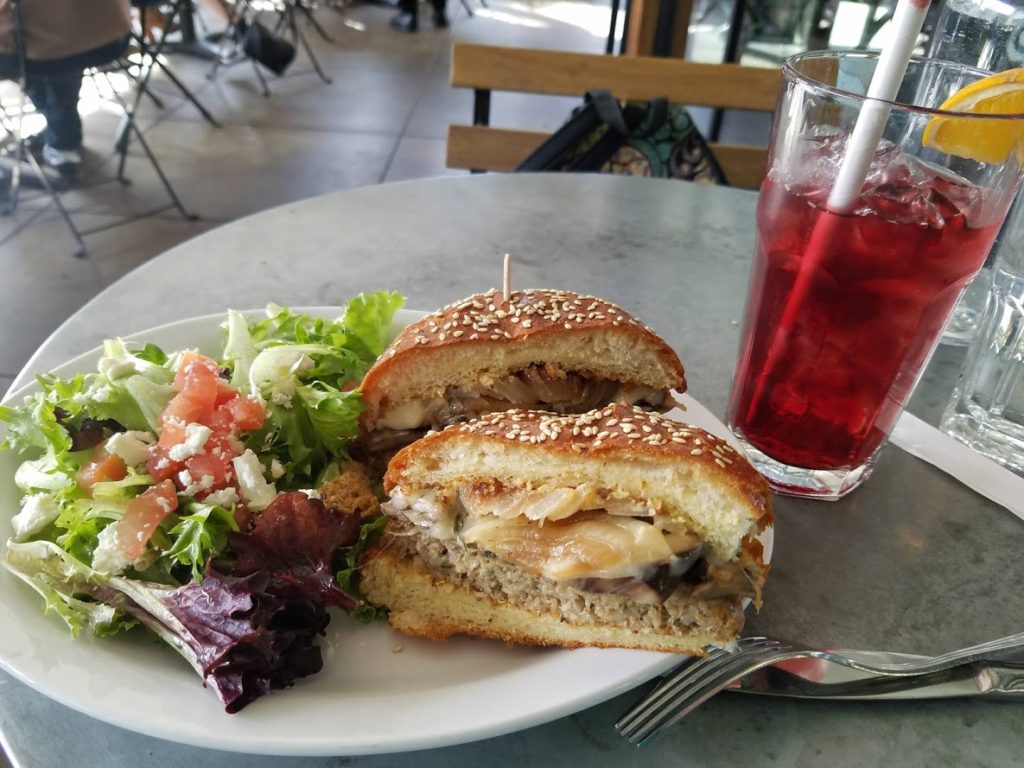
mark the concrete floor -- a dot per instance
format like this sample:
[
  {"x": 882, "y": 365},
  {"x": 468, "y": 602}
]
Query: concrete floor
[{"x": 382, "y": 119}]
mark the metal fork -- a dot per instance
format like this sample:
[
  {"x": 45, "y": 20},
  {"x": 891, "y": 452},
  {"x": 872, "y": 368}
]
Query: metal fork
[{"x": 698, "y": 680}]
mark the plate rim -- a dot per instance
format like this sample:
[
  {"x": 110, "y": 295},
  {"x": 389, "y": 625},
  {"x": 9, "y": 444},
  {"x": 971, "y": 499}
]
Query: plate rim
[{"x": 339, "y": 742}]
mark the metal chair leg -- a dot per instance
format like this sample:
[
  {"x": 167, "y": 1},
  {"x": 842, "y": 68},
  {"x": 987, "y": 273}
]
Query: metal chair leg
[
  {"x": 187, "y": 93},
  {"x": 293, "y": 23},
  {"x": 80, "y": 252},
  {"x": 308, "y": 13},
  {"x": 160, "y": 172},
  {"x": 264, "y": 85}
]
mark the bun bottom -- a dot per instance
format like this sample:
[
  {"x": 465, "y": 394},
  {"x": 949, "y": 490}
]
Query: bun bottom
[{"x": 423, "y": 604}]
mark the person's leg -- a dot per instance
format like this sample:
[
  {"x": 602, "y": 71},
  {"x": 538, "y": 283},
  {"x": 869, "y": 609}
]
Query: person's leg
[
  {"x": 38, "y": 91},
  {"x": 58, "y": 103},
  {"x": 407, "y": 18},
  {"x": 55, "y": 97},
  {"x": 440, "y": 17}
]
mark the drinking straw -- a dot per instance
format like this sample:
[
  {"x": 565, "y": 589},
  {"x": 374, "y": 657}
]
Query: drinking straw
[
  {"x": 885, "y": 84},
  {"x": 853, "y": 170}
]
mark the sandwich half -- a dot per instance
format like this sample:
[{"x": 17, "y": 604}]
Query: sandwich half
[
  {"x": 543, "y": 349},
  {"x": 614, "y": 528}
]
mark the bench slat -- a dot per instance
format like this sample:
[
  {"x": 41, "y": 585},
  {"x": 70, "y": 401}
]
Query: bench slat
[
  {"x": 499, "y": 149},
  {"x": 633, "y": 78}
]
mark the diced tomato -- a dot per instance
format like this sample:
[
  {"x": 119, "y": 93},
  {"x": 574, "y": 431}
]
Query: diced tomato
[
  {"x": 172, "y": 432},
  {"x": 225, "y": 445},
  {"x": 198, "y": 382},
  {"x": 143, "y": 514},
  {"x": 194, "y": 366},
  {"x": 220, "y": 421},
  {"x": 160, "y": 466},
  {"x": 209, "y": 464},
  {"x": 225, "y": 393},
  {"x": 102, "y": 466},
  {"x": 248, "y": 413},
  {"x": 194, "y": 403}
]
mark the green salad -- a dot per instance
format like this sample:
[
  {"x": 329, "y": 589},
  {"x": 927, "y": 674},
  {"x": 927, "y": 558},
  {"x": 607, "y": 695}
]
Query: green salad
[{"x": 175, "y": 490}]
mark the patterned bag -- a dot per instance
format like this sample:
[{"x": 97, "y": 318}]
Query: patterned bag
[{"x": 653, "y": 139}]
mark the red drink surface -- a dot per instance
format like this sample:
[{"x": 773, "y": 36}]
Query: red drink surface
[{"x": 871, "y": 304}]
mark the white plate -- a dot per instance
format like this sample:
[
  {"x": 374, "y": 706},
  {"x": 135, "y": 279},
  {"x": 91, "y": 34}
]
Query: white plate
[{"x": 378, "y": 691}]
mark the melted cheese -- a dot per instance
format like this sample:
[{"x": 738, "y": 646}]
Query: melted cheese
[
  {"x": 547, "y": 503},
  {"x": 592, "y": 545}
]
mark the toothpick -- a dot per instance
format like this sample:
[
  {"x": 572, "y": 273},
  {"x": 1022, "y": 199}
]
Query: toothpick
[{"x": 508, "y": 277}]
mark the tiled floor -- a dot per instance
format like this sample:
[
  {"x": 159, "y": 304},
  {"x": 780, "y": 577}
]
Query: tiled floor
[{"x": 382, "y": 119}]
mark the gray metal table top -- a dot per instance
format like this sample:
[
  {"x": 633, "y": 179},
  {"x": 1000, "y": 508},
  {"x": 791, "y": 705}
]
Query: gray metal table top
[{"x": 911, "y": 562}]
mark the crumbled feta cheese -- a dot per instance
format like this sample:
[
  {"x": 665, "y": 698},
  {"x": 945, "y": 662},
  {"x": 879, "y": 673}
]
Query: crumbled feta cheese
[
  {"x": 191, "y": 486},
  {"x": 164, "y": 504},
  {"x": 310, "y": 493},
  {"x": 282, "y": 398},
  {"x": 108, "y": 556},
  {"x": 254, "y": 488},
  {"x": 225, "y": 497},
  {"x": 276, "y": 469},
  {"x": 101, "y": 395},
  {"x": 196, "y": 436},
  {"x": 131, "y": 446},
  {"x": 37, "y": 512}
]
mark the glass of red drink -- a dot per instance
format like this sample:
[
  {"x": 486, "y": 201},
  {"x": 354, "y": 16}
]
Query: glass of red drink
[{"x": 843, "y": 309}]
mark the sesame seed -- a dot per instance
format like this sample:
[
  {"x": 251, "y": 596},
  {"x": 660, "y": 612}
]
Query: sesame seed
[{"x": 696, "y": 452}]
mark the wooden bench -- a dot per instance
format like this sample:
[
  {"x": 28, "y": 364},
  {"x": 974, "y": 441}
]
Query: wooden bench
[{"x": 486, "y": 68}]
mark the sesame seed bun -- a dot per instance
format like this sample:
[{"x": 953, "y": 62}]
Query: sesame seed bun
[
  {"x": 485, "y": 338},
  {"x": 696, "y": 478}
]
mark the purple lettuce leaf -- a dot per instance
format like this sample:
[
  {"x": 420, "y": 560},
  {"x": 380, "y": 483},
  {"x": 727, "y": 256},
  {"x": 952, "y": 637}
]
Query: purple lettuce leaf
[
  {"x": 246, "y": 640},
  {"x": 297, "y": 540}
]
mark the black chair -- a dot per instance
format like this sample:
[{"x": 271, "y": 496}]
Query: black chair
[
  {"x": 249, "y": 39},
  {"x": 149, "y": 53},
  {"x": 129, "y": 125}
]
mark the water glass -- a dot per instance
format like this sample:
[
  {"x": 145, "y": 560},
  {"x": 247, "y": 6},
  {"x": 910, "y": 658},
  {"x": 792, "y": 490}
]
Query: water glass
[{"x": 986, "y": 411}]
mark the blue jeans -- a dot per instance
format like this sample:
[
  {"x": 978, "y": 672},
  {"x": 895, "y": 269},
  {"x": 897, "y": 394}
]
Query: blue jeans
[
  {"x": 55, "y": 97},
  {"x": 53, "y": 87}
]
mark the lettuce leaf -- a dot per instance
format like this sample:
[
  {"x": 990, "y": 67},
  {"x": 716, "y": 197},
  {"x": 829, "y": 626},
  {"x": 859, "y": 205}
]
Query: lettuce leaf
[
  {"x": 367, "y": 319},
  {"x": 305, "y": 368},
  {"x": 199, "y": 535},
  {"x": 243, "y": 640},
  {"x": 348, "y": 577}
]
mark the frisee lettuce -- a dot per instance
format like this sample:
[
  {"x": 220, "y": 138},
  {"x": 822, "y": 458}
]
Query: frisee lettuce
[{"x": 200, "y": 535}]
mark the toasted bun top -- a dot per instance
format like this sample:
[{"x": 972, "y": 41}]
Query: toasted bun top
[
  {"x": 484, "y": 335},
  {"x": 692, "y": 475}
]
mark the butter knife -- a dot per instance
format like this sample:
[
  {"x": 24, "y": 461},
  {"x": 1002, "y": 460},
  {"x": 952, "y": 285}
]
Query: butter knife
[{"x": 816, "y": 679}]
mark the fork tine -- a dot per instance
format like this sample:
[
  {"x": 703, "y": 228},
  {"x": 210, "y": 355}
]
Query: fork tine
[
  {"x": 691, "y": 674},
  {"x": 692, "y": 696}
]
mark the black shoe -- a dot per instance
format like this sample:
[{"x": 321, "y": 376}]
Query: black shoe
[
  {"x": 440, "y": 19},
  {"x": 404, "y": 22}
]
